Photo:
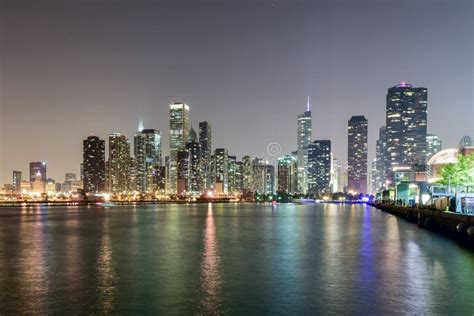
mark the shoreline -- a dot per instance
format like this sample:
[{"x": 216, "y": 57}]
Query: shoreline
[{"x": 458, "y": 227}]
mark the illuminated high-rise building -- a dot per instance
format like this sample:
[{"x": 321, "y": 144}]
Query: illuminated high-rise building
[
  {"x": 38, "y": 185},
  {"x": 247, "y": 174},
  {"x": 337, "y": 176},
  {"x": 147, "y": 151},
  {"x": 406, "y": 123},
  {"x": 319, "y": 167},
  {"x": 287, "y": 174},
  {"x": 269, "y": 179},
  {"x": 16, "y": 181},
  {"x": 183, "y": 171},
  {"x": 380, "y": 174},
  {"x": 159, "y": 179},
  {"x": 119, "y": 163},
  {"x": 179, "y": 127},
  {"x": 258, "y": 175},
  {"x": 194, "y": 174},
  {"x": 373, "y": 177},
  {"x": 222, "y": 168},
  {"x": 37, "y": 167},
  {"x": 205, "y": 144},
  {"x": 357, "y": 154},
  {"x": 433, "y": 145},
  {"x": 232, "y": 175},
  {"x": 304, "y": 128}
]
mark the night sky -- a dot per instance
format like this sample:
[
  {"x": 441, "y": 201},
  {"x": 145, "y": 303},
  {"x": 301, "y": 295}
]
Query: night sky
[{"x": 69, "y": 69}]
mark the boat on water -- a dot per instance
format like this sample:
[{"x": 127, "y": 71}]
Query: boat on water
[
  {"x": 106, "y": 204},
  {"x": 304, "y": 201}
]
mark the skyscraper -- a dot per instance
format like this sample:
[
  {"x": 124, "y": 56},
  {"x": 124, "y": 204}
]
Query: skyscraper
[
  {"x": 37, "y": 167},
  {"x": 178, "y": 136},
  {"x": 406, "y": 121},
  {"x": 380, "y": 174},
  {"x": 258, "y": 175},
  {"x": 233, "y": 185},
  {"x": 183, "y": 171},
  {"x": 287, "y": 174},
  {"x": 118, "y": 163},
  {"x": 357, "y": 154},
  {"x": 304, "y": 126},
  {"x": 222, "y": 166},
  {"x": 194, "y": 175},
  {"x": 269, "y": 179},
  {"x": 16, "y": 181},
  {"x": 247, "y": 174},
  {"x": 433, "y": 145},
  {"x": 93, "y": 165},
  {"x": 205, "y": 144},
  {"x": 147, "y": 150},
  {"x": 319, "y": 167}
]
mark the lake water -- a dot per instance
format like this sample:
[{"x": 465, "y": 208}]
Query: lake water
[{"x": 228, "y": 259}]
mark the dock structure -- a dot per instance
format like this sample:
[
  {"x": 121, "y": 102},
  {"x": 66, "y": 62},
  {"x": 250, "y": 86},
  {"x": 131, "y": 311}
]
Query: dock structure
[{"x": 454, "y": 225}]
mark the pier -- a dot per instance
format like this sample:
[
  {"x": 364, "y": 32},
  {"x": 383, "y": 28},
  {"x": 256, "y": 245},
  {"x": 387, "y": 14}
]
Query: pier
[{"x": 457, "y": 226}]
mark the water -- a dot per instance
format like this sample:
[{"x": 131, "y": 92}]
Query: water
[{"x": 228, "y": 259}]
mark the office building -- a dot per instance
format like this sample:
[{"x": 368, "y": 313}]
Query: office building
[
  {"x": 319, "y": 167},
  {"x": 287, "y": 174},
  {"x": 406, "y": 128},
  {"x": 179, "y": 127},
  {"x": 38, "y": 167},
  {"x": 147, "y": 151},
  {"x": 304, "y": 128},
  {"x": 222, "y": 167},
  {"x": 118, "y": 164},
  {"x": 205, "y": 144},
  {"x": 433, "y": 145},
  {"x": 357, "y": 154},
  {"x": 93, "y": 166},
  {"x": 16, "y": 181}
]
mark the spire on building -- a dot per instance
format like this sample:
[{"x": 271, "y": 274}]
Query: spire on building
[
  {"x": 192, "y": 135},
  {"x": 308, "y": 105}
]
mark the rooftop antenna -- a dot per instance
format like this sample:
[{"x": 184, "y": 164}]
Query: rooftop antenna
[
  {"x": 307, "y": 104},
  {"x": 140, "y": 124}
]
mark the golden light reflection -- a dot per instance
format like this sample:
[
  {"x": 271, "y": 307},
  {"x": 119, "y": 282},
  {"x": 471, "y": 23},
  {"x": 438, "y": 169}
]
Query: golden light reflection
[
  {"x": 211, "y": 279},
  {"x": 73, "y": 254},
  {"x": 33, "y": 265},
  {"x": 106, "y": 276}
]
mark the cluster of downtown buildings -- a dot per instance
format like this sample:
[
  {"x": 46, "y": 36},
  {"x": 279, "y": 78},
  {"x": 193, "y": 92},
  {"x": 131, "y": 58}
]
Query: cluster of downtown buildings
[{"x": 194, "y": 168}]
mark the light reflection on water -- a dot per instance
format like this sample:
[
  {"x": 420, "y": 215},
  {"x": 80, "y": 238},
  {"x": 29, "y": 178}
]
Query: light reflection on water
[
  {"x": 238, "y": 259},
  {"x": 106, "y": 275},
  {"x": 211, "y": 279}
]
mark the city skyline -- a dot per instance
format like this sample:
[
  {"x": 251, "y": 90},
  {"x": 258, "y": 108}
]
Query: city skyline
[{"x": 257, "y": 91}]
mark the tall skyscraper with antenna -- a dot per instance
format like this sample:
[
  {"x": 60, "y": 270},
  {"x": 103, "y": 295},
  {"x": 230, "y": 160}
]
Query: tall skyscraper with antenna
[{"x": 304, "y": 129}]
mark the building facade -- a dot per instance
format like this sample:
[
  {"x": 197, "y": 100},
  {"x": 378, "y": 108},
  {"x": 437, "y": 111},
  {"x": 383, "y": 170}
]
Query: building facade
[
  {"x": 357, "y": 154},
  {"x": 16, "y": 181},
  {"x": 147, "y": 151},
  {"x": 433, "y": 145},
  {"x": 379, "y": 175},
  {"x": 287, "y": 169},
  {"x": 304, "y": 130},
  {"x": 118, "y": 165},
  {"x": 179, "y": 127},
  {"x": 93, "y": 165},
  {"x": 221, "y": 171},
  {"x": 406, "y": 128},
  {"x": 38, "y": 167},
  {"x": 319, "y": 167},
  {"x": 205, "y": 144}
]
